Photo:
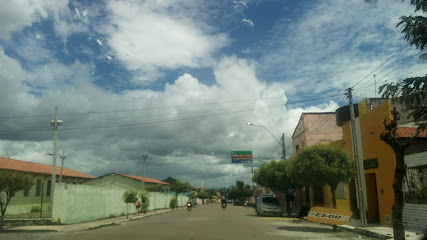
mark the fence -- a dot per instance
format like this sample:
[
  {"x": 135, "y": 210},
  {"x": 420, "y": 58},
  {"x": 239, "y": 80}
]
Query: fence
[{"x": 80, "y": 203}]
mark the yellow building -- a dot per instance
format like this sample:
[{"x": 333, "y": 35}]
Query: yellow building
[{"x": 378, "y": 157}]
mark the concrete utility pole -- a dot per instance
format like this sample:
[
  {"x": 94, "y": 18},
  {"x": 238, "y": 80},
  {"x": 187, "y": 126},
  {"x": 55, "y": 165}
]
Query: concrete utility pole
[
  {"x": 360, "y": 184},
  {"x": 55, "y": 123},
  {"x": 62, "y": 164},
  {"x": 143, "y": 170},
  {"x": 283, "y": 146}
]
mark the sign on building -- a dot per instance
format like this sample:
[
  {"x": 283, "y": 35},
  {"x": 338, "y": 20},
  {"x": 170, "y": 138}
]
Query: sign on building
[{"x": 241, "y": 157}]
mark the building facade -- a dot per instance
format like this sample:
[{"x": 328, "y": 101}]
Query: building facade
[
  {"x": 119, "y": 180},
  {"x": 38, "y": 196},
  {"x": 312, "y": 129}
]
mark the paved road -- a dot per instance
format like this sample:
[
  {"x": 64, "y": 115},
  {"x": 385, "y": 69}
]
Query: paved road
[{"x": 205, "y": 222}]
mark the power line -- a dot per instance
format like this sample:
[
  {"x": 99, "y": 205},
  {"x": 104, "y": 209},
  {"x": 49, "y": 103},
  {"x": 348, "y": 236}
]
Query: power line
[{"x": 369, "y": 74}]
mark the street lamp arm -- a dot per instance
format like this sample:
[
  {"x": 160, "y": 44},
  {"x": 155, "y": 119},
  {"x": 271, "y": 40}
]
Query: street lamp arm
[{"x": 251, "y": 124}]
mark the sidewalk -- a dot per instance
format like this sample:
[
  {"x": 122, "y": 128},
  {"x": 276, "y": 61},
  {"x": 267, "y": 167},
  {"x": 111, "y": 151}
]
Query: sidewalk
[
  {"x": 87, "y": 225},
  {"x": 376, "y": 231}
]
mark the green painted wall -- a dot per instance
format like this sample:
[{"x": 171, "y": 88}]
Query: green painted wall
[
  {"x": 80, "y": 203},
  {"x": 20, "y": 204},
  {"x": 114, "y": 180}
]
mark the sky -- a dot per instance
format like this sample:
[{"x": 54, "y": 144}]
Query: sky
[{"x": 178, "y": 80}]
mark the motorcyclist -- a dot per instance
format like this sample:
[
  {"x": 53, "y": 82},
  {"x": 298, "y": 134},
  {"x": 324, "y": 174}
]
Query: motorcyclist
[{"x": 223, "y": 202}]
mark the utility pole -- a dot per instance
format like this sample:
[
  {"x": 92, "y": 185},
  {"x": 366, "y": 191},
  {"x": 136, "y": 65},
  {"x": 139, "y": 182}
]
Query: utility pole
[
  {"x": 62, "y": 164},
  {"x": 360, "y": 184},
  {"x": 283, "y": 146},
  {"x": 143, "y": 170},
  {"x": 55, "y": 123}
]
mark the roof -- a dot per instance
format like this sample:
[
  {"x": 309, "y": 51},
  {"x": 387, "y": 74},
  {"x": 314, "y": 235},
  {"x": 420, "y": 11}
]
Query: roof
[
  {"x": 147, "y": 180},
  {"x": 30, "y": 167},
  {"x": 407, "y": 132}
]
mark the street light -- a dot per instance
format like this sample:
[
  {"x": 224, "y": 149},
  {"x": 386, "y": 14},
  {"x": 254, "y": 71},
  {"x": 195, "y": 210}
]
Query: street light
[
  {"x": 144, "y": 156},
  {"x": 280, "y": 143}
]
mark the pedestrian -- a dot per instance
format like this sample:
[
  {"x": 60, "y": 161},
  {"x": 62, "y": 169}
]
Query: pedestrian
[{"x": 137, "y": 206}]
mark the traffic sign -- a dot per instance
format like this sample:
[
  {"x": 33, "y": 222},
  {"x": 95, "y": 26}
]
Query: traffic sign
[
  {"x": 329, "y": 215},
  {"x": 241, "y": 157}
]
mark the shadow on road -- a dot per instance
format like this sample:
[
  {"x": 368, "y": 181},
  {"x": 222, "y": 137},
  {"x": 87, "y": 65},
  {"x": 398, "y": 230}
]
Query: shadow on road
[{"x": 306, "y": 229}]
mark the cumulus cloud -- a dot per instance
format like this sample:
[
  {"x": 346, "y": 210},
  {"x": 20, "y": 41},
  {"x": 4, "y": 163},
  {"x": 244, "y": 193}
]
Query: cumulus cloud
[
  {"x": 146, "y": 36},
  {"x": 181, "y": 126}
]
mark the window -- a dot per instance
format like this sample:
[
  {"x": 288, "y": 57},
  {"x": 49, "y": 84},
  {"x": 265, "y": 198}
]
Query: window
[
  {"x": 296, "y": 148},
  {"x": 49, "y": 187},
  {"x": 38, "y": 187},
  {"x": 26, "y": 191}
]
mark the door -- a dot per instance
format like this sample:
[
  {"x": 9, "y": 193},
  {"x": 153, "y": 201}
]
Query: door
[{"x": 372, "y": 196}]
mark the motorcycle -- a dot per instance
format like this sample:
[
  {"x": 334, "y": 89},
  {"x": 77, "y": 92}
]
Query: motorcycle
[
  {"x": 224, "y": 205},
  {"x": 188, "y": 206}
]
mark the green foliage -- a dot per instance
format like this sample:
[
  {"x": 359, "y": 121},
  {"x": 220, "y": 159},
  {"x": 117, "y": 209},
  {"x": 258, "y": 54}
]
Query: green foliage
[
  {"x": 319, "y": 165},
  {"x": 10, "y": 183},
  {"x": 276, "y": 176},
  {"x": 178, "y": 186},
  {"x": 192, "y": 195},
  {"x": 411, "y": 93},
  {"x": 202, "y": 195},
  {"x": 130, "y": 196},
  {"x": 145, "y": 201},
  {"x": 35, "y": 209},
  {"x": 240, "y": 191},
  {"x": 415, "y": 27},
  {"x": 173, "y": 203}
]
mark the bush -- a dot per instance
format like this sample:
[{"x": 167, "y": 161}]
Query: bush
[
  {"x": 173, "y": 203},
  {"x": 35, "y": 209},
  {"x": 145, "y": 201}
]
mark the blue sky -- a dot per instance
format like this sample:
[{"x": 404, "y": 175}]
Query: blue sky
[{"x": 180, "y": 79}]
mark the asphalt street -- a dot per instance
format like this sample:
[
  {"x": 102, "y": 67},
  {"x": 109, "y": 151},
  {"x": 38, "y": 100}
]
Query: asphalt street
[{"x": 204, "y": 222}]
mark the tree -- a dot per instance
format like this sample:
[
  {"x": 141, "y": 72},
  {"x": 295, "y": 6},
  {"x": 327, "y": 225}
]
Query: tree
[
  {"x": 145, "y": 201},
  {"x": 178, "y": 186},
  {"x": 203, "y": 196},
  {"x": 129, "y": 196},
  {"x": 10, "y": 183},
  {"x": 411, "y": 93},
  {"x": 276, "y": 176},
  {"x": 320, "y": 165},
  {"x": 240, "y": 191}
]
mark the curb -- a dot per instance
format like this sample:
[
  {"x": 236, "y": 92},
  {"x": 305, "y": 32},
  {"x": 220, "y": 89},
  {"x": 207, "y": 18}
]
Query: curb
[
  {"x": 356, "y": 230},
  {"x": 364, "y": 232}
]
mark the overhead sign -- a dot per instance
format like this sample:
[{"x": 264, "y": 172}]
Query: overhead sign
[
  {"x": 329, "y": 215},
  {"x": 241, "y": 157}
]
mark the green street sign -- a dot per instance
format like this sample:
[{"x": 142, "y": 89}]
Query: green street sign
[{"x": 241, "y": 157}]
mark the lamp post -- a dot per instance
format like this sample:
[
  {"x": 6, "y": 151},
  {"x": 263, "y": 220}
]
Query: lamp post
[
  {"x": 144, "y": 156},
  {"x": 62, "y": 164},
  {"x": 282, "y": 143}
]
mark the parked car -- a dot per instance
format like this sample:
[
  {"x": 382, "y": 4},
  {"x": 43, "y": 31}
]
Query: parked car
[{"x": 268, "y": 205}]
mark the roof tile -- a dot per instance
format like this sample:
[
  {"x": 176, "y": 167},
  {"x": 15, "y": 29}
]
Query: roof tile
[{"x": 23, "y": 166}]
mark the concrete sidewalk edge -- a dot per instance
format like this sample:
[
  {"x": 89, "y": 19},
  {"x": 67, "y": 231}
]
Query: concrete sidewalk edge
[{"x": 93, "y": 224}]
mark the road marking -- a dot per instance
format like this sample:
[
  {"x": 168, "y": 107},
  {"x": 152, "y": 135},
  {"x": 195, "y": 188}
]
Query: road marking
[{"x": 197, "y": 219}]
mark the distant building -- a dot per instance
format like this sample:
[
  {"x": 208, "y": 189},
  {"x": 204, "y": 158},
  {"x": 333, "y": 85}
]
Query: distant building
[
  {"x": 318, "y": 128},
  {"x": 24, "y": 200},
  {"x": 127, "y": 182}
]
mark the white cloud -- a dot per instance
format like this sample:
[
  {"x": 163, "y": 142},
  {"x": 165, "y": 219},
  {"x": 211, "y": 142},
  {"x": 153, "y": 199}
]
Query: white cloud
[
  {"x": 145, "y": 37},
  {"x": 332, "y": 45}
]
